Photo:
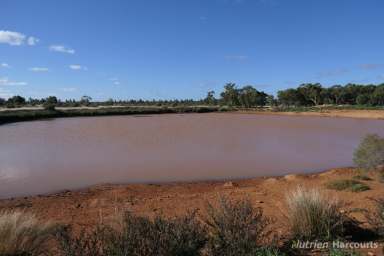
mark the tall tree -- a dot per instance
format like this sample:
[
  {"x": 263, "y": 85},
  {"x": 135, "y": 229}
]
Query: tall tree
[
  {"x": 210, "y": 99},
  {"x": 85, "y": 100},
  {"x": 290, "y": 97},
  {"x": 378, "y": 95},
  {"x": 311, "y": 92},
  {"x": 230, "y": 95},
  {"x": 16, "y": 100}
]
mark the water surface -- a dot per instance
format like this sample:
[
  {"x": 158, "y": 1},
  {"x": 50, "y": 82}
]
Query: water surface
[{"x": 69, "y": 153}]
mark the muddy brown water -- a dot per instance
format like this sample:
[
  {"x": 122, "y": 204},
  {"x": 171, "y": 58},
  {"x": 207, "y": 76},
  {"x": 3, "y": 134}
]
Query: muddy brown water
[{"x": 47, "y": 156}]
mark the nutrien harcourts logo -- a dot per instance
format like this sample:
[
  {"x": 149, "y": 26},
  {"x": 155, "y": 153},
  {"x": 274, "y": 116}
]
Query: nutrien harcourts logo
[{"x": 333, "y": 244}]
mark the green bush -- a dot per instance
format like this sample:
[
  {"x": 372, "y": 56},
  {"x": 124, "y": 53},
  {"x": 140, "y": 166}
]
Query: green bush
[
  {"x": 370, "y": 152},
  {"x": 236, "y": 228},
  {"x": 314, "y": 216},
  {"x": 350, "y": 185}
]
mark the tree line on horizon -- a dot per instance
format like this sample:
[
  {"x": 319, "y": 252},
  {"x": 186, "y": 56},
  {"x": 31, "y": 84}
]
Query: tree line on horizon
[{"x": 308, "y": 94}]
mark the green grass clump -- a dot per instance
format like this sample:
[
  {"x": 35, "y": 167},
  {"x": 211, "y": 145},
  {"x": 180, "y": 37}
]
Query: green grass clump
[
  {"x": 349, "y": 185},
  {"x": 314, "y": 216}
]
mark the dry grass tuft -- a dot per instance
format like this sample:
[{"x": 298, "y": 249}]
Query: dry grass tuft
[
  {"x": 22, "y": 234},
  {"x": 313, "y": 215}
]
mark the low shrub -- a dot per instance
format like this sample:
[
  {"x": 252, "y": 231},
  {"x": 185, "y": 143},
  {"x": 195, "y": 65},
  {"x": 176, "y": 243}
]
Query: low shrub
[
  {"x": 350, "y": 185},
  {"x": 314, "y": 216},
  {"x": 236, "y": 228},
  {"x": 370, "y": 152},
  {"x": 85, "y": 244},
  {"x": 22, "y": 234},
  {"x": 376, "y": 219},
  {"x": 139, "y": 236},
  {"x": 183, "y": 236}
]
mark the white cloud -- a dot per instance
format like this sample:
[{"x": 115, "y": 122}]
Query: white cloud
[
  {"x": 32, "y": 40},
  {"x": 61, "y": 48},
  {"x": 115, "y": 80},
  {"x": 4, "y": 81},
  {"x": 11, "y": 38},
  {"x": 4, "y": 65},
  {"x": 16, "y": 38},
  {"x": 77, "y": 67},
  {"x": 39, "y": 69},
  {"x": 69, "y": 89}
]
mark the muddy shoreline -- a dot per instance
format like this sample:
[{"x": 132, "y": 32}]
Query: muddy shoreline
[{"x": 85, "y": 207}]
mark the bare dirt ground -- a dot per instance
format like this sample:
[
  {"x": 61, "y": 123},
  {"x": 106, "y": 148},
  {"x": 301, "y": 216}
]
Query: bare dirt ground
[{"x": 88, "y": 207}]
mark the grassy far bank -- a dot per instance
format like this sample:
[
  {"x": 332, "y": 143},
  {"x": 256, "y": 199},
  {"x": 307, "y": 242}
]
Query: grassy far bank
[
  {"x": 10, "y": 116},
  {"x": 305, "y": 98},
  {"x": 38, "y": 113}
]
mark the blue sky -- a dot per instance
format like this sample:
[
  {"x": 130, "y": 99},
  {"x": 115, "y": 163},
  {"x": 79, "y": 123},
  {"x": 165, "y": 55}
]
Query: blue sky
[{"x": 183, "y": 48}]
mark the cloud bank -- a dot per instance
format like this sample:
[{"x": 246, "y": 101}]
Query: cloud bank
[
  {"x": 16, "y": 38},
  {"x": 61, "y": 48}
]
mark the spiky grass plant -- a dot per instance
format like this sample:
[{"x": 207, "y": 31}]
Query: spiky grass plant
[
  {"x": 22, "y": 234},
  {"x": 314, "y": 215}
]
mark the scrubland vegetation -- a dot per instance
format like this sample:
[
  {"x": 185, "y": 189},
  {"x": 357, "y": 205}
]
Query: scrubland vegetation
[
  {"x": 306, "y": 98},
  {"x": 229, "y": 228},
  {"x": 306, "y": 95}
]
